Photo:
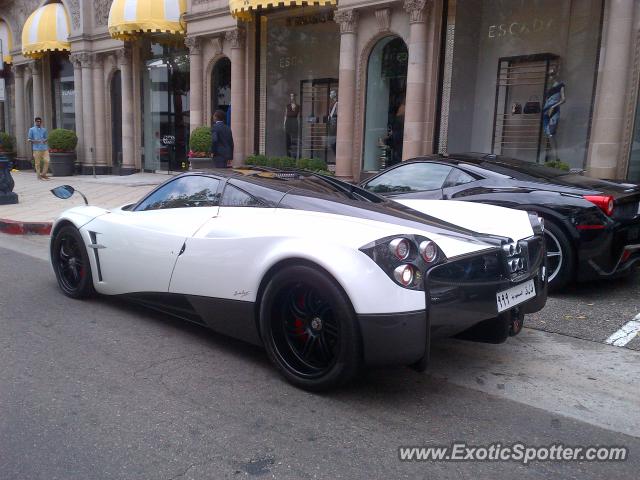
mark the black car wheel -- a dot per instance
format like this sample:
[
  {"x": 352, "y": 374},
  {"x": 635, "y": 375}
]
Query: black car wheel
[
  {"x": 559, "y": 257},
  {"x": 309, "y": 329},
  {"x": 71, "y": 263}
]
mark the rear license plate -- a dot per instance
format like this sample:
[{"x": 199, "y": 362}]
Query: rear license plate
[{"x": 515, "y": 295}]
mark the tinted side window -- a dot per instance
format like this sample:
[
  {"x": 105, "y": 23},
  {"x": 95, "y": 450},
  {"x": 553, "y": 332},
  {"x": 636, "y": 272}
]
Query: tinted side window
[
  {"x": 234, "y": 197},
  {"x": 185, "y": 192},
  {"x": 458, "y": 177},
  {"x": 413, "y": 177}
]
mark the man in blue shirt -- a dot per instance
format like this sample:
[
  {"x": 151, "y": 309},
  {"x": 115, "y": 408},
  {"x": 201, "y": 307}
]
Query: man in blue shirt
[{"x": 38, "y": 137}]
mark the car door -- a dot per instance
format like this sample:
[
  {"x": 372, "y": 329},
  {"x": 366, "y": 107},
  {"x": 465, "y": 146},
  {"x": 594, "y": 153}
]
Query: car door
[
  {"x": 418, "y": 179},
  {"x": 136, "y": 250}
]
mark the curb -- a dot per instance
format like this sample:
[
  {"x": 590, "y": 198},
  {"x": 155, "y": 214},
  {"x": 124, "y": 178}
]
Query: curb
[{"x": 16, "y": 227}]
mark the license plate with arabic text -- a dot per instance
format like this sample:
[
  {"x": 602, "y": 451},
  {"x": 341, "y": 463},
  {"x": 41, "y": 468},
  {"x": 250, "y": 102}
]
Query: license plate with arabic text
[{"x": 515, "y": 295}]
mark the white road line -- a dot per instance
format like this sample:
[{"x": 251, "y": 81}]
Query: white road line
[{"x": 626, "y": 333}]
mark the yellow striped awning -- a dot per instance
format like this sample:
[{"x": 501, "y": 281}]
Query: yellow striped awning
[
  {"x": 131, "y": 18},
  {"x": 241, "y": 9},
  {"x": 46, "y": 30},
  {"x": 6, "y": 41}
]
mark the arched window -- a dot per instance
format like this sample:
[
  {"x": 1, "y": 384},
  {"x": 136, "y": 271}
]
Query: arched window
[
  {"x": 221, "y": 86},
  {"x": 385, "y": 103}
]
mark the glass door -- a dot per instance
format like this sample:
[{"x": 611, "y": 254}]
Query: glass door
[{"x": 165, "y": 87}]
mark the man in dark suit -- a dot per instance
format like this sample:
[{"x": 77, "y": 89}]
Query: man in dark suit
[{"x": 221, "y": 141}]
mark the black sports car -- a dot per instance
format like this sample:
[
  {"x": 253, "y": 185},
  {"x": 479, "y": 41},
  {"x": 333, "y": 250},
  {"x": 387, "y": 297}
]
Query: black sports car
[{"x": 592, "y": 226}]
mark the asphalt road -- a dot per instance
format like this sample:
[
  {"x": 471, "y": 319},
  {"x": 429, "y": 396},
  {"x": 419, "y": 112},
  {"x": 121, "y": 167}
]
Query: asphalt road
[
  {"x": 592, "y": 311},
  {"x": 102, "y": 389}
]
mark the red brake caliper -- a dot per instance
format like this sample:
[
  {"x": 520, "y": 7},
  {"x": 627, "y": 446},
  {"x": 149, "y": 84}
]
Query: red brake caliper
[{"x": 299, "y": 324}]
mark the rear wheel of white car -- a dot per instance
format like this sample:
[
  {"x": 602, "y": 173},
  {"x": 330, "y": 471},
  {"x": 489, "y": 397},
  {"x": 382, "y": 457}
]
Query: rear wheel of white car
[
  {"x": 559, "y": 257},
  {"x": 71, "y": 263},
  {"x": 309, "y": 329}
]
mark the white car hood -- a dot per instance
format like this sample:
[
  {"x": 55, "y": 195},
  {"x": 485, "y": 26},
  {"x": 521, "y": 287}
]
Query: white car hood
[{"x": 479, "y": 217}]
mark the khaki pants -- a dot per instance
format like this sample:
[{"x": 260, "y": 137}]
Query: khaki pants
[{"x": 41, "y": 161}]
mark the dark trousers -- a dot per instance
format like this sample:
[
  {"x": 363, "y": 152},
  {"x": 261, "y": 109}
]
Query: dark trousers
[{"x": 219, "y": 162}]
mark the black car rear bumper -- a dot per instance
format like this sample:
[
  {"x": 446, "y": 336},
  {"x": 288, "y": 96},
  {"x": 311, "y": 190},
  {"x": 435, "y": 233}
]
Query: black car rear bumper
[{"x": 610, "y": 252}]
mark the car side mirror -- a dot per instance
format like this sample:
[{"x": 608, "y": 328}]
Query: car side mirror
[{"x": 66, "y": 191}]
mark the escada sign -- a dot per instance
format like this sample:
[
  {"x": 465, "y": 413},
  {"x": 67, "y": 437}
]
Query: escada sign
[{"x": 519, "y": 29}]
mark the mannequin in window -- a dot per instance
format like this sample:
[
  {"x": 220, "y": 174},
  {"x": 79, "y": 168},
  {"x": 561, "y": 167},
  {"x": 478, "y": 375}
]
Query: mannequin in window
[
  {"x": 554, "y": 97},
  {"x": 291, "y": 125},
  {"x": 332, "y": 119}
]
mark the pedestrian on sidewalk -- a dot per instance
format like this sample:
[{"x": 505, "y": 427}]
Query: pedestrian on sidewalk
[
  {"x": 38, "y": 137},
  {"x": 221, "y": 141}
]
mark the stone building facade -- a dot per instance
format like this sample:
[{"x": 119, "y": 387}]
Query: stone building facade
[{"x": 361, "y": 84}]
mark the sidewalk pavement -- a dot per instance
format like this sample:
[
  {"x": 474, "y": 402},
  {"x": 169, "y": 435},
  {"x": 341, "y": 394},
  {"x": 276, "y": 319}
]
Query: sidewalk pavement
[{"x": 37, "y": 207}]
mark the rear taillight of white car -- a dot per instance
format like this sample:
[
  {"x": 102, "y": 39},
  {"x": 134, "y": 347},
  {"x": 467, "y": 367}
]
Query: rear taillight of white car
[
  {"x": 405, "y": 258},
  {"x": 603, "y": 202}
]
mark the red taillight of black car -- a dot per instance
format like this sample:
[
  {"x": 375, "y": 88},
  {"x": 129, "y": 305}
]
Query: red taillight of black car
[{"x": 603, "y": 202}]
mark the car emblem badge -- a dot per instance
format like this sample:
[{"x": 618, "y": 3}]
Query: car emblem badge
[{"x": 316, "y": 323}]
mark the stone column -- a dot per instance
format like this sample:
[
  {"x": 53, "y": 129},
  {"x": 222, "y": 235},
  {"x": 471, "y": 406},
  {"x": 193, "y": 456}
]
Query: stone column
[
  {"x": 38, "y": 102},
  {"x": 348, "y": 21},
  {"x": 194, "y": 44},
  {"x": 21, "y": 132},
  {"x": 89, "y": 139},
  {"x": 238, "y": 81},
  {"x": 77, "y": 97},
  {"x": 605, "y": 149},
  {"x": 128, "y": 146},
  {"x": 99, "y": 112},
  {"x": 416, "y": 77}
]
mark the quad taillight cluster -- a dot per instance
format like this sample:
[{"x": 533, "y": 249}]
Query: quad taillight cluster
[
  {"x": 603, "y": 202},
  {"x": 405, "y": 258}
]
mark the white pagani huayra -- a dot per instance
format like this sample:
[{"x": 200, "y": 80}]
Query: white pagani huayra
[{"x": 327, "y": 276}]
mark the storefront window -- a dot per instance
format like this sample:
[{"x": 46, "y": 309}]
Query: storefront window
[
  {"x": 386, "y": 89},
  {"x": 221, "y": 87},
  {"x": 299, "y": 92},
  {"x": 165, "y": 87},
  {"x": 64, "y": 99},
  {"x": 634, "y": 158},
  {"x": 519, "y": 78}
]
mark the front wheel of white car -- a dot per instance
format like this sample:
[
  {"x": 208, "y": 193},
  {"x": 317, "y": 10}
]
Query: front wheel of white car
[
  {"x": 70, "y": 262},
  {"x": 309, "y": 329}
]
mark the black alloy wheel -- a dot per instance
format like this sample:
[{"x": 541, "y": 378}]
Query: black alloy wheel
[
  {"x": 71, "y": 263},
  {"x": 309, "y": 329}
]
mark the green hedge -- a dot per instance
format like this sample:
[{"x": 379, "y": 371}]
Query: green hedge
[
  {"x": 313, "y": 164},
  {"x": 62, "y": 140},
  {"x": 7, "y": 142},
  {"x": 560, "y": 165},
  {"x": 200, "y": 140}
]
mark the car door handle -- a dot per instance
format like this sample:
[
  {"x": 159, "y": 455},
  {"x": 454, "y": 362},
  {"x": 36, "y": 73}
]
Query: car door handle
[
  {"x": 184, "y": 245},
  {"x": 96, "y": 246}
]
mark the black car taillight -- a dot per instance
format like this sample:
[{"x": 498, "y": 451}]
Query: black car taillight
[{"x": 603, "y": 202}]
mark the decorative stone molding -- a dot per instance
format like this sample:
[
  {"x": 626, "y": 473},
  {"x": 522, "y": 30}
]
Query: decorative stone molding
[
  {"x": 74, "y": 12},
  {"x": 199, "y": 2},
  {"x": 383, "y": 17},
  {"x": 194, "y": 44},
  {"x": 217, "y": 43},
  {"x": 235, "y": 37},
  {"x": 101, "y": 11},
  {"x": 85, "y": 59},
  {"x": 35, "y": 67},
  {"x": 347, "y": 19},
  {"x": 417, "y": 10},
  {"x": 123, "y": 56},
  {"x": 97, "y": 59},
  {"x": 18, "y": 71}
]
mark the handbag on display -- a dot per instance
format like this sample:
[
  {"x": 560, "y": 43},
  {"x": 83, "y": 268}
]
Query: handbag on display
[
  {"x": 533, "y": 105},
  {"x": 516, "y": 108}
]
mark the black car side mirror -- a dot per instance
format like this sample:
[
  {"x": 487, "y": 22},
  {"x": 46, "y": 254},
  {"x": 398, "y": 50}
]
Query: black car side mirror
[{"x": 66, "y": 191}]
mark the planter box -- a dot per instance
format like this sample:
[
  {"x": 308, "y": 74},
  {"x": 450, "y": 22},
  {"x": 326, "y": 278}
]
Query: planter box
[{"x": 62, "y": 164}]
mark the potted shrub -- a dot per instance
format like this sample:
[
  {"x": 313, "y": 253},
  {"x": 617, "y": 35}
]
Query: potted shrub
[
  {"x": 200, "y": 148},
  {"x": 7, "y": 144},
  {"x": 62, "y": 151}
]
